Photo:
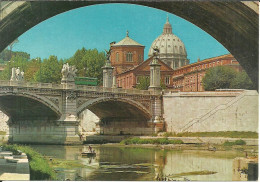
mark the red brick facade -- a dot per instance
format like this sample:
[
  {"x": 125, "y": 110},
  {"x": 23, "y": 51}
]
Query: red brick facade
[
  {"x": 129, "y": 78},
  {"x": 125, "y": 57},
  {"x": 189, "y": 77}
]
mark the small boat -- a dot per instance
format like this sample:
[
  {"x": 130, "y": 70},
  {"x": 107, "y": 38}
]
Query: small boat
[{"x": 88, "y": 154}]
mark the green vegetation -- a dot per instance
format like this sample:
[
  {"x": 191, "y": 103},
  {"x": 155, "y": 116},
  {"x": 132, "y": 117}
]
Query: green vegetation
[
  {"x": 2, "y": 132},
  {"x": 39, "y": 167},
  {"x": 6, "y": 55},
  {"x": 227, "y": 134},
  {"x": 237, "y": 142},
  {"x": 50, "y": 71},
  {"x": 224, "y": 77},
  {"x": 192, "y": 173},
  {"x": 144, "y": 83},
  {"x": 150, "y": 141},
  {"x": 89, "y": 63}
]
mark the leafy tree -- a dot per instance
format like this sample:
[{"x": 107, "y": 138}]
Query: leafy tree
[
  {"x": 224, "y": 77},
  {"x": 242, "y": 81},
  {"x": 6, "y": 55},
  {"x": 16, "y": 61},
  {"x": 89, "y": 63},
  {"x": 50, "y": 71},
  {"x": 33, "y": 66},
  {"x": 144, "y": 83}
]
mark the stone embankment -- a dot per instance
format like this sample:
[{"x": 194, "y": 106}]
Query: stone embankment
[{"x": 14, "y": 167}]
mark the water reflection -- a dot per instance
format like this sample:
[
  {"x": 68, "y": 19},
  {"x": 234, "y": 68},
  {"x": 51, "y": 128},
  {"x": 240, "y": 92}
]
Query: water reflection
[{"x": 125, "y": 163}]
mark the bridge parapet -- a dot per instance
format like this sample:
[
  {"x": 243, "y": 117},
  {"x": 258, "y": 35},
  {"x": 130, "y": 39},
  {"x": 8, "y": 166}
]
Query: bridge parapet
[{"x": 75, "y": 87}]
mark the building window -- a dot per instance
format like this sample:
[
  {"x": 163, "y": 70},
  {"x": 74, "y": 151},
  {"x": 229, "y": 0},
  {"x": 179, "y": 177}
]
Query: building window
[
  {"x": 209, "y": 64},
  {"x": 129, "y": 57},
  {"x": 137, "y": 79},
  {"x": 117, "y": 56},
  {"x": 167, "y": 80}
]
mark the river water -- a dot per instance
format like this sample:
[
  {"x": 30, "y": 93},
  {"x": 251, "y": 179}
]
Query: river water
[{"x": 130, "y": 163}]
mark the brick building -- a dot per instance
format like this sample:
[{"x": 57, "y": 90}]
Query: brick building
[
  {"x": 127, "y": 57},
  {"x": 126, "y": 54},
  {"x": 130, "y": 78},
  {"x": 189, "y": 77}
]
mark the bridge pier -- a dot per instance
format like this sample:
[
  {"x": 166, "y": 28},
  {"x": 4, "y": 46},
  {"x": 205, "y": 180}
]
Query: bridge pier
[{"x": 44, "y": 132}]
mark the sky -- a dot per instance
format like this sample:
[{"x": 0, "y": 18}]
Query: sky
[{"x": 98, "y": 25}]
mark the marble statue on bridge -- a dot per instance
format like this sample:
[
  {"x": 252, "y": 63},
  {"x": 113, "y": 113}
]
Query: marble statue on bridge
[
  {"x": 17, "y": 75},
  {"x": 68, "y": 73}
]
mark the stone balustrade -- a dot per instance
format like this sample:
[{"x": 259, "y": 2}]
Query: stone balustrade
[{"x": 75, "y": 87}]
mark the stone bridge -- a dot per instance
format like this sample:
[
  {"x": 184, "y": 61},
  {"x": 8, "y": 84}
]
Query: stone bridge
[{"x": 48, "y": 113}]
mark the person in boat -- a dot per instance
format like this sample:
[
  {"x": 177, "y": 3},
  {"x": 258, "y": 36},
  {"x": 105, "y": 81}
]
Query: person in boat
[{"x": 90, "y": 148}]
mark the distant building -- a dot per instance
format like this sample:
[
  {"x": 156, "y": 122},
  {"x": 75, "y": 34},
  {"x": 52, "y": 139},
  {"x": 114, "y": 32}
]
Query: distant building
[
  {"x": 126, "y": 54},
  {"x": 130, "y": 78},
  {"x": 127, "y": 57},
  {"x": 189, "y": 77},
  {"x": 172, "y": 49}
]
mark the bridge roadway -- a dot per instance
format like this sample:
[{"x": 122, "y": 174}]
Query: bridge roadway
[{"x": 50, "y": 112}]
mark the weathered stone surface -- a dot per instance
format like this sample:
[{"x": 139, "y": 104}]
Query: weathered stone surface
[
  {"x": 46, "y": 113},
  {"x": 211, "y": 111},
  {"x": 14, "y": 167}
]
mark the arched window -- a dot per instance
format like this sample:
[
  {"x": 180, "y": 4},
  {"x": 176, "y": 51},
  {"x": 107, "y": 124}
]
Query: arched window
[
  {"x": 167, "y": 80},
  {"x": 129, "y": 57},
  {"x": 117, "y": 56}
]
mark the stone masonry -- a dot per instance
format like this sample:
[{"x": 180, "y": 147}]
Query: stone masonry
[{"x": 211, "y": 111}]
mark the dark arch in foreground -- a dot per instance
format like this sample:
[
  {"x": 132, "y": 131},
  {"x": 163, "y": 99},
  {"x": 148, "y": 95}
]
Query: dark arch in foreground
[{"x": 234, "y": 24}]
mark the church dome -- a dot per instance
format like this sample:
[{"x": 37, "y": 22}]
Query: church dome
[{"x": 171, "y": 47}]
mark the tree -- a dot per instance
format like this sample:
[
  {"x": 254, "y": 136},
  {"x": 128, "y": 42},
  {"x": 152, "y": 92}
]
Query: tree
[
  {"x": 224, "y": 77},
  {"x": 89, "y": 63},
  {"x": 144, "y": 83},
  {"x": 33, "y": 66},
  {"x": 242, "y": 81},
  {"x": 15, "y": 62},
  {"x": 50, "y": 71}
]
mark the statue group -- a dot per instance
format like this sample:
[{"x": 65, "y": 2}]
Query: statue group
[
  {"x": 17, "y": 75},
  {"x": 68, "y": 73}
]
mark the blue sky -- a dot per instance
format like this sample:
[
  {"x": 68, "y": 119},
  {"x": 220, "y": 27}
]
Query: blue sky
[{"x": 96, "y": 26}]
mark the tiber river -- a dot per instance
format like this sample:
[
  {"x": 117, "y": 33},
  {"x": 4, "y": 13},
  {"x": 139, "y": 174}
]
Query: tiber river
[{"x": 129, "y": 163}]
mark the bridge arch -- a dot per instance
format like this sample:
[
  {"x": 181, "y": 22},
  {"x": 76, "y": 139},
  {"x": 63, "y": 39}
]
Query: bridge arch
[
  {"x": 27, "y": 106},
  {"x": 234, "y": 24},
  {"x": 116, "y": 108}
]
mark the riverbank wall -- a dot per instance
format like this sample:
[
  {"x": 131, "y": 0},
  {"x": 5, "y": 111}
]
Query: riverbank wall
[{"x": 211, "y": 111}]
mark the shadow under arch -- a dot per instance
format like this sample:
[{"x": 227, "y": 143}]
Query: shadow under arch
[
  {"x": 27, "y": 106},
  {"x": 116, "y": 108},
  {"x": 234, "y": 24}
]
